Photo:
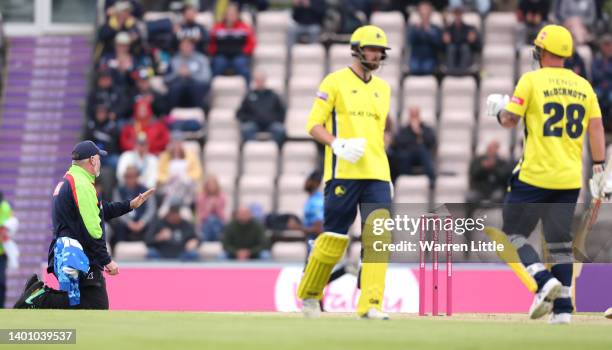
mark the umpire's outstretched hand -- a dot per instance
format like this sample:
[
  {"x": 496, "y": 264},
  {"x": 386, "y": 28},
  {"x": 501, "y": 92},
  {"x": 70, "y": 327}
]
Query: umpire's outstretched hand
[{"x": 137, "y": 202}]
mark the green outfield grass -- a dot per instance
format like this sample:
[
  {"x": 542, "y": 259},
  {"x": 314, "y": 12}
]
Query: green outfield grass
[{"x": 185, "y": 330}]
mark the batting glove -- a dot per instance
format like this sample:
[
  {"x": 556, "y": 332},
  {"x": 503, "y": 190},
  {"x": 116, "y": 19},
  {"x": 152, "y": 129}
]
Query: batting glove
[
  {"x": 495, "y": 103},
  {"x": 597, "y": 181},
  {"x": 349, "y": 149}
]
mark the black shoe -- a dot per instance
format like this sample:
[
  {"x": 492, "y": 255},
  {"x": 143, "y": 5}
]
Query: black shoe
[
  {"x": 31, "y": 285},
  {"x": 33, "y": 279}
]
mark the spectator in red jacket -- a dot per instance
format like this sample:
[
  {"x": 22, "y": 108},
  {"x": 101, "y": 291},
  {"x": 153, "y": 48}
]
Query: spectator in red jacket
[
  {"x": 231, "y": 45},
  {"x": 144, "y": 121}
]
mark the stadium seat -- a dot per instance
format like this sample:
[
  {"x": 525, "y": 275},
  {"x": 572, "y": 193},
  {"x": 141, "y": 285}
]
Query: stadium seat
[
  {"x": 223, "y": 125},
  {"x": 221, "y": 159},
  {"x": 207, "y": 19},
  {"x": 291, "y": 194},
  {"x": 470, "y": 18},
  {"x": 493, "y": 85},
  {"x": 256, "y": 189},
  {"x": 451, "y": 189},
  {"x": 260, "y": 158},
  {"x": 295, "y": 122},
  {"x": 272, "y": 27},
  {"x": 498, "y": 61},
  {"x": 453, "y": 158},
  {"x": 393, "y": 24},
  {"x": 500, "y": 28},
  {"x": 458, "y": 94},
  {"x": 227, "y": 92},
  {"x": 436, "y": 18},
  {"x": 526, "y": 62},
  {"x": 421, "y": 92},
  {"x": 412, "y": 189},
  {"x": 130, "y": 251},
  {"x": 272, "y": 59},
  {"x": 210, "y": 250},
  {"x": 339, "y": 56},
  {"x": 488, "y": 127},
  {"x": 499, "y": 134},
  {"x": 392, "y": 65},
  {"x": 307, "y": 60},
  {"x": 270, "y": 53},
  {"x": 289, "y": 251},
  {"x": 194, "y": 114},
  {"x": 302, "y": 92},
  {"x": 299, "y": 157},
  {"x": 393, "y": 80}
]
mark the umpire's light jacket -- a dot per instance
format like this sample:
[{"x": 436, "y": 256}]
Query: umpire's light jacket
[{"x": 78, "y": 213}]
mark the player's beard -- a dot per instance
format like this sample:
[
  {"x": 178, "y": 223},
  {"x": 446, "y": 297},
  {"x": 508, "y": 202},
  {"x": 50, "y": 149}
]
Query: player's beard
[{"x": 370, "y": 65}]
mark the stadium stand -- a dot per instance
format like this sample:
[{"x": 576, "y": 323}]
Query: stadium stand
[
  {"x": 45, "y": 87},
  {"x": 45, "y": 81}
]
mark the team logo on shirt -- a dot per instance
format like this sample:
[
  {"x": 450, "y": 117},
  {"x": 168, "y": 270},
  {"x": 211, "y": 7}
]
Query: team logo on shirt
[{"x": 339, "y": 191}]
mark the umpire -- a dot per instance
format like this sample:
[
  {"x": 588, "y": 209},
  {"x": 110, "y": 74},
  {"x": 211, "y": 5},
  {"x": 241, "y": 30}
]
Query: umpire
[{"x": 78, "y": 253}]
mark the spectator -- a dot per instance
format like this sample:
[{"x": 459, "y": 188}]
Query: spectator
[
  {"x": 414, "y": 144},
  {"x": 211, "y": 209},
  {"x": 144, "y": 121},
  {"x": 120, "y": 20},
  {"x": 108, "y": 94},
  {"x": 576, "y": 63},
  {"x": 104, "y": 132},
  {"x": 188, "y": 28},
  {"x": 424, "y": 40},
  {"x": 176, "y": 157},
  {"x": 488, "y": 178},
  {"x": 172, "y": 237},
  {"x": 190, "y": 77},
  {"x": 462, "y": 43},
  {"x": 144, "y": 91},
  {"x": 137, "y": 8},
  {"x": 354, "y": 14},
  {"x": 313, "y": 209},
  {"x": 244, "y": 238},
  {"x": 139, "y": 157},
  {"x": 179, "y": 173},
  {"x": 578, "y": 16},
  {"x": 602, "y": 78},
  {"x": 132, "y": 226},
  {"x": 308, "y": 16},
  {"x": 534, "y": 14},
  {"x": 122, "y": 63},
  {"x": 262, "y": 110},
  {"x": 231, "y": 45}
]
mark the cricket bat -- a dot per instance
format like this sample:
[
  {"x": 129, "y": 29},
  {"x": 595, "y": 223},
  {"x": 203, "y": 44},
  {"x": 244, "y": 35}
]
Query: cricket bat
[{"x": 588, "y": 220}]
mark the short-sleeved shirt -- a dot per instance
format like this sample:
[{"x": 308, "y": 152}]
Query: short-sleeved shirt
[
  {"x": 313, "y": 209},
  {"x": 350, "y": 107},
  {"x": 557, "y": 105}
]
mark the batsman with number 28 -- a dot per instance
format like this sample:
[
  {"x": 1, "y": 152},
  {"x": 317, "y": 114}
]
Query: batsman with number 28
[{"x": 558, "y": 108}]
